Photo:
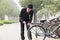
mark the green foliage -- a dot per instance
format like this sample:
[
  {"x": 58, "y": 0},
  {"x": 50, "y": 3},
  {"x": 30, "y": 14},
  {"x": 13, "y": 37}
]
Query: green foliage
[
  {"x": 7, "y": 9},
  {"x": 36, "y": 3},
  {"x": 44, "y": 12},
  {"x": 4, "y": 8},
  {"x": 13, "y": 12},
  {"x": 6, "y": 22},
  {"x": 1, "y": 22},
  {"x": 53, "y": 5}
]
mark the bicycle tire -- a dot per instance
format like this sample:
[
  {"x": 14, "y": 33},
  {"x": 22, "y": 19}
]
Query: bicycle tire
[
  {"x": 36, "y": 26},
  {"x": 56, "y": 34}
]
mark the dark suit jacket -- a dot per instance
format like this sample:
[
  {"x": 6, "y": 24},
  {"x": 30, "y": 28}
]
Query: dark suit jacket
[{"x": 24, "y": 16}]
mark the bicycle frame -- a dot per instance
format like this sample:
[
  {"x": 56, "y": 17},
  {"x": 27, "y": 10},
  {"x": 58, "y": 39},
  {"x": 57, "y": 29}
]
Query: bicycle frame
[
  {"x": 50, "y": 33},
  {"x": 47, "y": 25}
]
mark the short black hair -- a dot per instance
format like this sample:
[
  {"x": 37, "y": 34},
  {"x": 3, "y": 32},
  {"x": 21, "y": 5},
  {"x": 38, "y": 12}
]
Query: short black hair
[{"x": 30, "y": 6}]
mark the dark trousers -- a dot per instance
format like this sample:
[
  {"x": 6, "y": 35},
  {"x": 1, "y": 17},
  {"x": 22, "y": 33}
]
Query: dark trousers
[{"x": 22, "y": 31}]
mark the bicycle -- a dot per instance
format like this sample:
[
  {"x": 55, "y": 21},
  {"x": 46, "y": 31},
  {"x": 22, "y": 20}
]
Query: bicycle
[{"x": 46, "y": 28}]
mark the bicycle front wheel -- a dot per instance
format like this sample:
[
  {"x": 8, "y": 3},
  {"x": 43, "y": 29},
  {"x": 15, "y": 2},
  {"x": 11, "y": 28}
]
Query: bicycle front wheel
[{"x": 37, "y": 32}]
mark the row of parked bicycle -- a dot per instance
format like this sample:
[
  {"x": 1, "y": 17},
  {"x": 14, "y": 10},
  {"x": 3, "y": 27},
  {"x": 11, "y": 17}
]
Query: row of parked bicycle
[{"x": 46, "y": 28}]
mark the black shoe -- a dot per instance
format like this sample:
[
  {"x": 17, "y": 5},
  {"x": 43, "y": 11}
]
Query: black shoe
[{"x": 22, "y": 39}]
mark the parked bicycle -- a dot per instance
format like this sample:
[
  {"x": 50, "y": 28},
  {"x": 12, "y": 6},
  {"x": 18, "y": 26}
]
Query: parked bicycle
[{"x": 45, "y": 29}]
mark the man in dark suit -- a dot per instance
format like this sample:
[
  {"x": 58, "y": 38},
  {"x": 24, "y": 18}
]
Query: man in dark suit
[{"x": 26, "y": 18}]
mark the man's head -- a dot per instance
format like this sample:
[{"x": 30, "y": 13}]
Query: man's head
[{"x": 29, "y": 8}]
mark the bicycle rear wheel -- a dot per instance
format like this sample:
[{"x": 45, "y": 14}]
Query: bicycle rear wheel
[
  {"x": 37, "y": 32},
  {"x": 55, "y": 34},
  {"x": 58, "y": 32}
]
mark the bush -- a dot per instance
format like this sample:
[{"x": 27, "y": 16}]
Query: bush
[
  {"x": 1, "y": 22},
  {"x": 8, "y": 22}
]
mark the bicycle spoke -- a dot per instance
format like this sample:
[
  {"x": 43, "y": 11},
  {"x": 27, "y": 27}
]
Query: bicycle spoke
[
  {"x": 34, "y": 30},
  {"x": 36, "y": 33}
]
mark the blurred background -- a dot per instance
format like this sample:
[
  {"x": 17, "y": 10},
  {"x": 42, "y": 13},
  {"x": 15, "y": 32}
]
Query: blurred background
[
  {"x": 43, "y": 9},
  {"x": 9, "y": 11}
]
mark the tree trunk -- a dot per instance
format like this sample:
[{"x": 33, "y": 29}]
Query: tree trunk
[{"x": 35, "y": 18}]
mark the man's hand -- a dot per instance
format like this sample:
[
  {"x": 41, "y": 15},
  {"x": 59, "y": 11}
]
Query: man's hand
[
  {"x": 24, "y": 22},
  {"x": 28, "y": 24}
]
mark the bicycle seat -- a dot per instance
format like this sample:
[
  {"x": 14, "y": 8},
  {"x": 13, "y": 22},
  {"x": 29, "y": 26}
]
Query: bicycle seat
[
  {"x": 54, "y": 20},
  {"x": 42, "y": 21}
]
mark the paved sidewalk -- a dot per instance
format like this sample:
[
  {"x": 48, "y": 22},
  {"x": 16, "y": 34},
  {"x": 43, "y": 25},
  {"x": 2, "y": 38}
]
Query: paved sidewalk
[{"x": 12, "y": 32}]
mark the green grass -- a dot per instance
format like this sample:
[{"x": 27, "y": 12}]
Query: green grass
[{"x": 6, "y": 22}]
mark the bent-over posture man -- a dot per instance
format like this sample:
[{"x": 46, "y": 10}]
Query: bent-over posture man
[{"x": 26, "y": 18}]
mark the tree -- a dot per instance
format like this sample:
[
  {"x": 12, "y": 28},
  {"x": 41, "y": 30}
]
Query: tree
[
  {"x": 4, "y": 8},
  {"x": 36, "y": 4},
  {"x": 13, "y": 12},
  {"x": 44, "y": 13},
  {"x": 53, "y": 5}
]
